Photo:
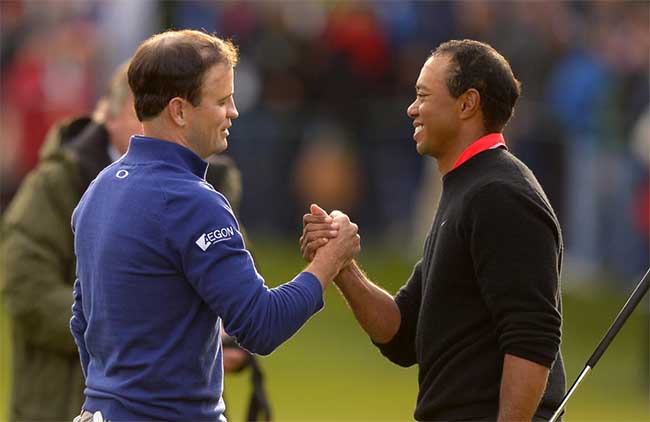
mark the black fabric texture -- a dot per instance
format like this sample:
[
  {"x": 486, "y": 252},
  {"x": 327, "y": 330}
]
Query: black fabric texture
[{"x": 487, "y": 285}]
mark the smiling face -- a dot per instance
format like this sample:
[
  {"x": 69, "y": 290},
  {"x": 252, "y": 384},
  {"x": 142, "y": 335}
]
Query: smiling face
[
  {"x": 208, "y": 122},
  {"x": 434, "y": 111}
]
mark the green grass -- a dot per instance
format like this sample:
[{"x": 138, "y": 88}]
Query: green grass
[{"x": 330, "y": 370}]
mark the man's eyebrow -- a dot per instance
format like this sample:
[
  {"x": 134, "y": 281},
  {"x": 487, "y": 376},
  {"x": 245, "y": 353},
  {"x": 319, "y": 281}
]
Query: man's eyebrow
[{"x": 226, "y": 97}]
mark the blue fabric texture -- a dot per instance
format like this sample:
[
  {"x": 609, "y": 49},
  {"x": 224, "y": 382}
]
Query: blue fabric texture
[{"x": 160, "y": 261}]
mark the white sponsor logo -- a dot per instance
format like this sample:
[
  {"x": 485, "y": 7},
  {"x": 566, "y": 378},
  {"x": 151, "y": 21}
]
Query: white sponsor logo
[{"x": 219, "y": 235}]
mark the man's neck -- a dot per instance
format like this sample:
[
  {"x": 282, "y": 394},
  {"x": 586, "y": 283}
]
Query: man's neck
[
  {"x": 157, "y": 129},
  {"x": 446, "y": 162}
]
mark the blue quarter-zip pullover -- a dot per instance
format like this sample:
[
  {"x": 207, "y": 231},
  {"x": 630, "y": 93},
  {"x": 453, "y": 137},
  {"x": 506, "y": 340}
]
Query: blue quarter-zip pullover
[{"x": 160, "y": 261}]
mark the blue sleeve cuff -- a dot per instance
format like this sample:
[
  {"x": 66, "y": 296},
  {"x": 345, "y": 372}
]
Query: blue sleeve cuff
[{"x": 310, "y": 281}]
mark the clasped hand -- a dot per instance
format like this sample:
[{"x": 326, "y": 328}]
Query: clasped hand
[{"x": 333, "y": 234}]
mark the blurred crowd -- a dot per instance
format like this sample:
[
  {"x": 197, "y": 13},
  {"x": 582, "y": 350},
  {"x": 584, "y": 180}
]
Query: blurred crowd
[{"x": 322, "y": 89}]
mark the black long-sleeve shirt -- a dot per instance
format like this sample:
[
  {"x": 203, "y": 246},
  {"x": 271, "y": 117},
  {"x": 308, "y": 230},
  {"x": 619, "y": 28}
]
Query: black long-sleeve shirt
[{"x": 487, "y": 285}]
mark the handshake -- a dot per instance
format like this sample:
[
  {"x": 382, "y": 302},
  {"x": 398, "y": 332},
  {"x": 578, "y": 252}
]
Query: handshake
[{"x": 328, "y": 242}]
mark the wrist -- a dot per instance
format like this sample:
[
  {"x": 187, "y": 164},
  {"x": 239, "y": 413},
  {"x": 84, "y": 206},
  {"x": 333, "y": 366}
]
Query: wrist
[
  {"x": 323, "y": 270},
  {"x": 348, "y": 271}
]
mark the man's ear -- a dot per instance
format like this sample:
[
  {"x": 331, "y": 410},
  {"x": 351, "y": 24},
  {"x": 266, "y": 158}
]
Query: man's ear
[
  {"x": 177, "y": 109},
  {"x": 470, "y": 103}
]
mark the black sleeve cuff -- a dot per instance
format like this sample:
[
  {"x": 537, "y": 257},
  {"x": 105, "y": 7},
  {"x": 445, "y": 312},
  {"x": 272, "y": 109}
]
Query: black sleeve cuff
[{"x": 543, "y": 359}]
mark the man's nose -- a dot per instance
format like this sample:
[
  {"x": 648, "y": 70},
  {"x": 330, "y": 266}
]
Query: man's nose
[
  {"x": 412, "y": 110},
  {"x": 232, "y": 112}
]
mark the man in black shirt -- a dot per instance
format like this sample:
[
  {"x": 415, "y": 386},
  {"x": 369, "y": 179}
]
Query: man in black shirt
[{"x": 481, "y": 312}]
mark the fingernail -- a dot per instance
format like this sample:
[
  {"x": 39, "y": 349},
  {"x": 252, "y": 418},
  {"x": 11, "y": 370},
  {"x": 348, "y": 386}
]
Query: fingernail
[
  {"x": 328, "y": 219},
  {"x": 333, "y": 233},
  {"x": 335, "y": 225}
]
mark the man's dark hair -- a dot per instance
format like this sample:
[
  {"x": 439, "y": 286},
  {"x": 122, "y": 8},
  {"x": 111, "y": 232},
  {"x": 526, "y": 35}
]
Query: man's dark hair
[
  {"x": 173, "y": 64},
  {"x": 477, "y": 65}
]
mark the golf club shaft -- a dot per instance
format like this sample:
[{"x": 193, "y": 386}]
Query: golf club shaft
[
  {"x": 566, "y": 398},
  {"x": 640, "y": 291}
]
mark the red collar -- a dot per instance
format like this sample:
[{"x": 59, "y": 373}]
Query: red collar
[{"x": 489, "y": 141}]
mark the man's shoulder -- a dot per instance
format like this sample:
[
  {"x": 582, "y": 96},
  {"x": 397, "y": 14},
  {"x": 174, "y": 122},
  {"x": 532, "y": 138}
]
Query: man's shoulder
[
  {"x": 41, "y": 209},
  {"x": 183, "y": 191},
  {"x": 60, "y": 170},
  {"x": 501, "y": 193},
  {"x": 504, "y": 173},
  {"x": 511, "y": 198},
  {"x": 106, "y": 174},
  {"x": 181, "y": 183},
  {"x": 194, "y": 210},
  {"x": 51, "y": 182}
]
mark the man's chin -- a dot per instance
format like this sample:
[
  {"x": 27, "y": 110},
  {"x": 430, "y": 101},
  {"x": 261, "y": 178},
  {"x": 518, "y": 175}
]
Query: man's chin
[
  {"x": 221, "y": 146},
  {"x": 421, "y": 148}
]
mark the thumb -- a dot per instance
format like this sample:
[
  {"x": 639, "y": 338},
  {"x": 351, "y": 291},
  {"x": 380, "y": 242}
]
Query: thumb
[{"x": 316, "y": 210}]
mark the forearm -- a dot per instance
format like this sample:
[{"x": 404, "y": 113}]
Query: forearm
[
  {"x": 374, "y": 309},
  {"x": 261, "y": 318},
  {"x": 522, "y": 385}
]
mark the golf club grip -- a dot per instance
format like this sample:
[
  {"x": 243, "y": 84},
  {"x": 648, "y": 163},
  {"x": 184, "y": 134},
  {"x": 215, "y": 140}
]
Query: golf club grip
[{"x": 640, "y": 291}]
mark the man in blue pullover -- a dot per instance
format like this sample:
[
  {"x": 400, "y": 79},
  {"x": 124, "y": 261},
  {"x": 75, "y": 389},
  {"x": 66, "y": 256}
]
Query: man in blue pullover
[{"x": 160, "y": 258}]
